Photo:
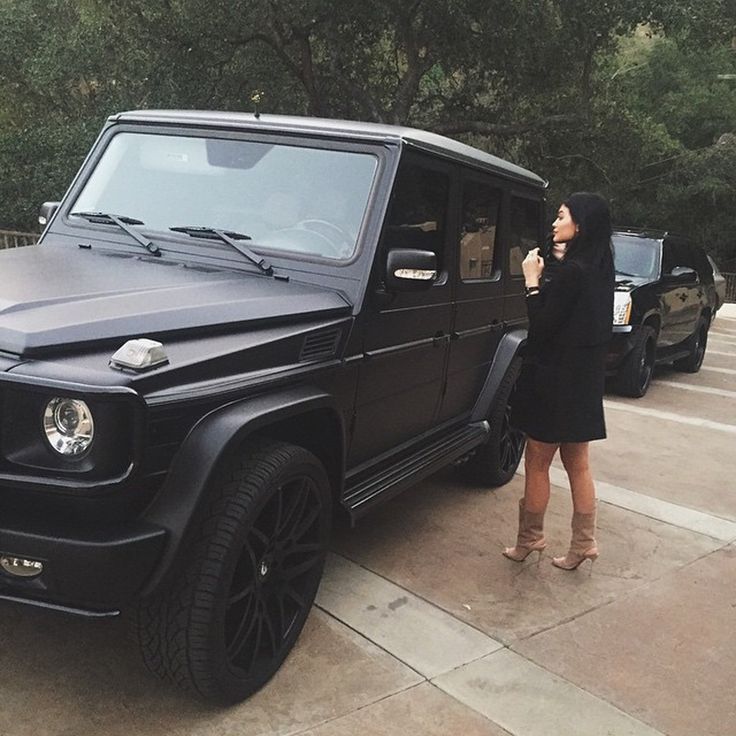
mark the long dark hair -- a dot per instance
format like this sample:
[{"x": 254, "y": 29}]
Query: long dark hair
[{"x": 592, "y": 244}]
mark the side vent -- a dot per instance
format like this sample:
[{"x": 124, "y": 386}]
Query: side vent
[{"x": 320, "y": 346}]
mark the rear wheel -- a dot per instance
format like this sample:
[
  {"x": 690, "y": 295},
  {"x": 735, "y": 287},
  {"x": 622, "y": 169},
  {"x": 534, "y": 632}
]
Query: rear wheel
[
  {"x": 495, "y": 462},
  {"x": 698, "y": 342},
  {"x": 635, "y": 374},
  {"x": 247, "y": 578}
]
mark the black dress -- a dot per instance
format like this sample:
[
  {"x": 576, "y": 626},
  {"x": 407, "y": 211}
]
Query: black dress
[{"x": 559, "y": 394}]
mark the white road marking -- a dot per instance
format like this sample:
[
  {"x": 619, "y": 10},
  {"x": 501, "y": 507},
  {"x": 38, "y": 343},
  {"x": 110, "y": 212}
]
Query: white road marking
[
  {"x": 671, "y": 416},
  {"x": 698, "y": 389},
  {"x": 716, "y": 352},
  {"x": 420, "y": 634},
  {"x": 526, "y": 699},
  {"x": 727, "y": 371},
  {"x": 725, "y": 339},
  {"x": 655, "y": 508}
]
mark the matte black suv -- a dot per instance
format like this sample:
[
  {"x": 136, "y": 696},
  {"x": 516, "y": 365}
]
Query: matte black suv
[
  {"x": 664, "y": 304},
  {"x": 232, "y": 328}
]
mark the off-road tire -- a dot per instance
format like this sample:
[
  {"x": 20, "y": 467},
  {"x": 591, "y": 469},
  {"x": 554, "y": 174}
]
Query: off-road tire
[
  {"x": 635, "y": 375},
  {"x": 495, "y": 461},
  {"x": 246, "y": 579}
]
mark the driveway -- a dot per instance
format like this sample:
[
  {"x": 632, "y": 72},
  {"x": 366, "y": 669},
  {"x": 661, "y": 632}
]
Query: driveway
[{"x": 422, "y": 627}]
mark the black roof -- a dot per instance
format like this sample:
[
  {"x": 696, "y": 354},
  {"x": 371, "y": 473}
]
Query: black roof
[{"x": 347, "y": 129}]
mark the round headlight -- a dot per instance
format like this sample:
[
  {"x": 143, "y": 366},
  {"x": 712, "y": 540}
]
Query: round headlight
[{"x": 68, "y": 426}]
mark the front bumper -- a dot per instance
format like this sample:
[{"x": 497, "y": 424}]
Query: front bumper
[
  {"x": 94, "y": 571},
  {"x": 620, "y": 346}
]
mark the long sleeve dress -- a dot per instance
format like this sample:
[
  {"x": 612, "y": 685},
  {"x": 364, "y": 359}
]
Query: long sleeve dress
[{"x": 559, "y": 394}]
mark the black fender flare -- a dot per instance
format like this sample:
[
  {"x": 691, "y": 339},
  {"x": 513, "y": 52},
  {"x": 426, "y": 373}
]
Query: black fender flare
[
  {"x": 506, "y": 352},
  {"x": 213, "y": 438}
]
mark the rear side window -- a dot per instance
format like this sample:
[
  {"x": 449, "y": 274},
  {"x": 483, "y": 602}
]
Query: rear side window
[
  {"x": 418, "y": 212},
  {"x": 524, "y": 232},
  {"x": 481, "y": 203}
]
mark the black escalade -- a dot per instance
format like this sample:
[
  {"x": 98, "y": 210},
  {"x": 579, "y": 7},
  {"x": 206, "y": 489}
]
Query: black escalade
[
  {"x": 232, "y": 328},
  {"x": 664, "y": 304}
]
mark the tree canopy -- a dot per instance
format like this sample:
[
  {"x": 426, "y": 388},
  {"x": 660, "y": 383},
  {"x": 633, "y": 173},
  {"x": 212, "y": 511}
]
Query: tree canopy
[{"x": 626, "y": 97}]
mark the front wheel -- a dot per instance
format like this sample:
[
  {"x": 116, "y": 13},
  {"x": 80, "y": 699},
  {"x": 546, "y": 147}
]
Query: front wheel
[
  {"x": 495, "y": 462},
  {"x": 635, "y": 374},
  {"x": 248, "y": 575}
]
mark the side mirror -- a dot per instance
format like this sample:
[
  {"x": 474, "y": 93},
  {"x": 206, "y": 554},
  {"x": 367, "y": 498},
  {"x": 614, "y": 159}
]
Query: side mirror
[
  {"x": 47, "y": 211},
  {"x": 410, "y": 270},
  {"x": 684, "y": 275}
]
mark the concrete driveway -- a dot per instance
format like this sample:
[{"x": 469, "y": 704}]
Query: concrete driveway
[{"x": 422, "y": 627}]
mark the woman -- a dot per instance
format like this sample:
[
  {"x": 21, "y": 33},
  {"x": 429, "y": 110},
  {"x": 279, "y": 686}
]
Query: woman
[{"x": 559, "y": 396}]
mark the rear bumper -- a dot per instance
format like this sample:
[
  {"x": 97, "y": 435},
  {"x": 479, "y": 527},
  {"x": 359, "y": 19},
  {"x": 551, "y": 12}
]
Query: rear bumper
[{"x": 94, "y": 571}]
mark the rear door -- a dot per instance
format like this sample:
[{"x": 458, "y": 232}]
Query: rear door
[
  {"x": 477, "y": 267},
  {"x": 680, "y": 300}
]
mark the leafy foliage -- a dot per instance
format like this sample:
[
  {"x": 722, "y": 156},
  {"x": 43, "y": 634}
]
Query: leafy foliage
[{"x": 619, "y": 96}]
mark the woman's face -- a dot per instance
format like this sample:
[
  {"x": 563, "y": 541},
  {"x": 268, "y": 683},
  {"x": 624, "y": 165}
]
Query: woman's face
[{"x": 564, "y": 228}]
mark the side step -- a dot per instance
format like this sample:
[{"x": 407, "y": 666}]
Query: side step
[{"x": 363, "y": 496}]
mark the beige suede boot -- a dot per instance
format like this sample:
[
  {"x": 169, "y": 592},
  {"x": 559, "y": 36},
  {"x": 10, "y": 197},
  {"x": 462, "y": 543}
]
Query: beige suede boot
[
  {"x": 530, "y": 537},
  {"x": 583, "y": 545}
]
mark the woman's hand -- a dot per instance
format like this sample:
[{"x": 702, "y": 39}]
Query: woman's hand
[{"x": 532, "y": 266}]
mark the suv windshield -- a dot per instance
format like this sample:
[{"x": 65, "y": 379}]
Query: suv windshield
[
  {"x": 285, "y": 197},
  {"x": 636, "y": 256}
]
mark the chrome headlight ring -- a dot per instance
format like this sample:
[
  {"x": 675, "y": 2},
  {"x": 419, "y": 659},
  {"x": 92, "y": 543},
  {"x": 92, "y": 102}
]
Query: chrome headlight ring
[{"x": 68, "y": 426}]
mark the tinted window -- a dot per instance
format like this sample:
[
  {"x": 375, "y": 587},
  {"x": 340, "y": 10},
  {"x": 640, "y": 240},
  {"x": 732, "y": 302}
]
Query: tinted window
[
  {"x": 524, "y": 234},
  {"x": 418, "y": 212},
  {"x": 675, "y": 253},
  {"x": 635, "y": 256},
  {"x": 478, "y": 230}
]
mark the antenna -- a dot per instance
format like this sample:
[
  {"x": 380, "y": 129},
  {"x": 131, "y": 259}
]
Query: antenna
[{"x": 256, "y": 99}]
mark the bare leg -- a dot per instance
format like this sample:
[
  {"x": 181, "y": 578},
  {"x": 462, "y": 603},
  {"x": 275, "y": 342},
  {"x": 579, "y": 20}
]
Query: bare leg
[
  {"x": 577, "y": 465},
  {"x": 537, "y": 459}
]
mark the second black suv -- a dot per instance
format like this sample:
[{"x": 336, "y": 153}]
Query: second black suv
[
  {"x": 232, "y": 329},
  {"x": 664, "y": 304}
]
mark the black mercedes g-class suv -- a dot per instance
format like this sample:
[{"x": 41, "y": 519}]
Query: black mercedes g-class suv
[
  {"x": 232, "y": 328},
  {"x": 665, "y": 302}
]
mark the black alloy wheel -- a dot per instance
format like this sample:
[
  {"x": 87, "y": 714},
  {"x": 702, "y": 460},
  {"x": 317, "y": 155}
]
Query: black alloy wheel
[
  {"x": 635, "y": 375},
  {"x": 496, "y": 460},
  {"x": 246, "y": 584},
  {"x": 512, "y": 445}
]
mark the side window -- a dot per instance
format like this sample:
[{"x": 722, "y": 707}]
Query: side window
[
  {"x": 524, "y": 232},
  {"x": 481, "y": 203},
  {"x": 417, "y": 214},
  {"x": 674, "y": 254}
]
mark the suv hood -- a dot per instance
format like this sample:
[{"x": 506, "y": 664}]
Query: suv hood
[{"x": 57, "y": 296}]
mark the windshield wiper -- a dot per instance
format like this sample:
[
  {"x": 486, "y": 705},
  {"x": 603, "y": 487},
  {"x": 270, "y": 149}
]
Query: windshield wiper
[
  {"x": 229, "y": 237},
  {"x": 624, "y": 273},
  {"x": 124, "y": 223}
]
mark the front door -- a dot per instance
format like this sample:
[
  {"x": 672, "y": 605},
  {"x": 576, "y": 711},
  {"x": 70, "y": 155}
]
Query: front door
[{"x": 406, "y": 335}]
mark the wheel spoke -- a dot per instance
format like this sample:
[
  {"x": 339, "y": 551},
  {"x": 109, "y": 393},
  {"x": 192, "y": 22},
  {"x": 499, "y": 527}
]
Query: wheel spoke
[
  {"x": 241, "y": 594},
  {"x": 306, "y": 522},
  {"x": 244, "y": 630},
  {"x": 313, "y": 553},
  {"x": 299, "y": 499}
]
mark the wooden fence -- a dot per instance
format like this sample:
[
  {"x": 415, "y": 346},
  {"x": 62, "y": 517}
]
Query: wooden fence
[{"x": 14, "y": 239}]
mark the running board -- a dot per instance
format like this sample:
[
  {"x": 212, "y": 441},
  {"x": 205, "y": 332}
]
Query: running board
[{"x": 362, "y": 497}]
